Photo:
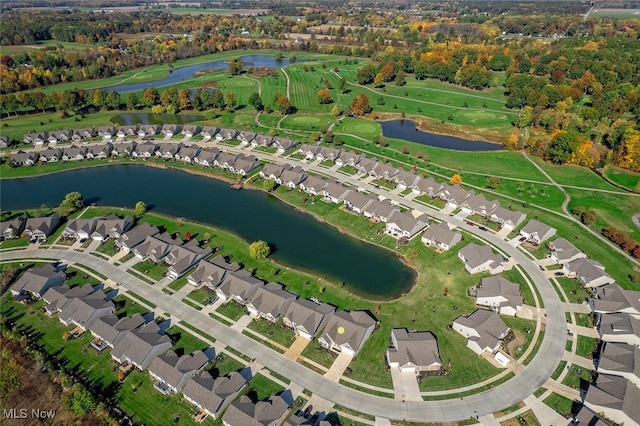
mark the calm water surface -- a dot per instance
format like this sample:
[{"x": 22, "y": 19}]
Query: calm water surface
[
  {"x": 299, "y": 240},
  {"x": 406, "y": 129}
]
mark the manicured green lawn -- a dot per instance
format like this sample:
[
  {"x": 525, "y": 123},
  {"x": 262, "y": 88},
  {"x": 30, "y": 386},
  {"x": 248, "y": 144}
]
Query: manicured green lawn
[
  {"x": 108, "y": 248},
  {"x": 76, "y": 277},
  {"x": 559, "y": 369},
  {"x": 185, "y": 341},
  {"x": 178, "y": 284},
  {"x": 127, "y": 307},
  {"x": 264, "y": 387},
  {"x": 232, "y": 310},
  {"x": 523, "y": 329},
  {"x": 559, "y": 403},
  {"x": 202, "y": 295},
  {"x": 317, "y": 353},
  {"x": 586, "y": 346},
  {"x": 584, "y": 320},
  {"x": 154, "y": 271},
  {"x": 576, "y": 376},
  {"x": 274, "y": 332},
  {"x": 622, "y": 177},
  {"x": 573, "y": 290}
]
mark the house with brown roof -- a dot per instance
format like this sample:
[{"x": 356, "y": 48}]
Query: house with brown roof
[
  {"x": 37, "y": 138},
  {"x": 238, "y": 286},
  {"x": 366, "y": 165},
  {"x": 107, "y": 132},
  {"x": 586, "y": 416},
  {"x": 537, "y": 232},
  {"x": 181, "y": 258},
  {"x": 156, "y": 247},
  {"x": 413, "y": 351},
  {"x": 214, "y": 395},
  {"x": 562, "y": 251},
  {"x": 620, "y": 359},
  {"x": 74, "y": 153},
  {"x": 111, "y": 226},
  {"x": 110, "y": 329},
  {"x": 379, "y": 210},
  {"x": 484, "y": 330},
  {"x": 481, "y": 258},
  {"x": 38, "y": 279},
  {"x": 440, "y": 236},
  {"x": 347, "y": 331},
  {"x": 270, "y": 301},
  {"x": 384, "y": 171},
  {"x": 141, "y": 345},
  {"x": 588, "y": 272},
  {"x": 622, "y": 328},
  {"x": 499, "y": 294},
  {"x": 243, "y": 412},
  {"x": 79, "y": 229},
  {"x": 611, "y": 298},
  {"x": 172, "y": 371},
  {"x": 306, "y": 316},
  {"x": 616, "y": 397},
  {"x": 404, "y": 225}
]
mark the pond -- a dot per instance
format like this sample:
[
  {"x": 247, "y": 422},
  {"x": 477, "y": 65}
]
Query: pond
[
  {"x": 185, "y": 73},
  {"x": 299, "y": 240},
  {"x": 132, "y": 118},
  {"x": 406, "y": 129}
]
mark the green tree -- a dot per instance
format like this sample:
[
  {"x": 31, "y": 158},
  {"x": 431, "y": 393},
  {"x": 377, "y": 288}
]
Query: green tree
[
  {"x": 269, "y": 185},
  {"x": 141, "y": 208},
  {"x": 113, "y": 100},
  {"x": 400, "y": 78},
  {"x": 562, "y": 146},
  {"x": 235, "y": 66},
  {"x": 132, "y": 100},
  {"x": 255, "y": 100},
  {"x": 342, "y": 85},
  {"x": 83, "y": 402},
  {"x": 150, "y": 97},
  {"x": 230, "y": 100},
  {"x": 72, "y": 202},
  {"x": 259, "y": 249}
]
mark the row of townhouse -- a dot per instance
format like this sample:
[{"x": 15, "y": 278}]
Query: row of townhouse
[
  {"x": 615, "y": 390},
  {"x": 141, "y": 343},
  {"x": 69, "y": 153},
  {"x": 37, "y": 229}
]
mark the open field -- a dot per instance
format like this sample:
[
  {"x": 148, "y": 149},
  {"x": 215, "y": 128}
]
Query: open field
[
  {"x": 616, "y": 13},
  {"x": 622, "y": 177},
  {"x": 46, "y": 44}
]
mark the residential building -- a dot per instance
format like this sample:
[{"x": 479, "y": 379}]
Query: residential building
[
  {"x": 314, "y": 185},
  {"x": 484, "y": 330},
  {"x": 621, "y": 328},
  {"x": 356, "y": 202},
  {"x": 479, "y": 258},
  {"x": 22, "y": 158},
  {"x": 616, "y": 397},
  {"x": 136, "y": 235},
  {"x": 214, "y": 395},
  {"x": 620, "y": 359},
  {"x": 209, "y": 132},
  {"x": 10, "y": 229},
  {"x": 155, "y": 247},
  {"x": 284, "y": 144},
  {"x": 181, "y": 258},
  {"x": 110, "y": 329},
  {"x": 209, "y": 274},
  {"x": 499, "y": 294},
  {"x": 170, "y": 130},
  {"x": 428, "y": 187},
  {"x": 85, "y": 309},
  {"x": 206, "y": 157},
  {"x": 562, "y": 251},
  {"x": 404, "y": 225},
  {"x": 588, "y": 272},
  {"x": 38, "y": 279},
  {"x": 174, "y": 371},
  {"x": 611, "y": 298},
  {"x": 347, "y": 331},
  {"x": 270, "y": 301},
  {"x": 440, "y": 236},
  {"x": 413, "y": 351},
  {"x": 243, "y": 412},
  {"x": 191, "y": 130},
  {"x": 79, "y": 229},
  {"x": 537, "y": 232},
  {"x": 141, "y": 345},
  {"x": 454, "y": 195},
  {"x": 478, "y": 204},
  {"x": 306, "y": 316},
  {"x": 238, "y": 286},
  {"x": 111, "y": 226},
  {"x": 334, "y": 192},
  {"x": 37, "y": 229}
]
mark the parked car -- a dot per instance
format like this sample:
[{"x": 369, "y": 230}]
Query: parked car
[
  {"x": 559, "y": 274},
  {"x": 523, "y": 239},
  {"x": 470, "y": 223},
  {"x": 482, "y": 228}
]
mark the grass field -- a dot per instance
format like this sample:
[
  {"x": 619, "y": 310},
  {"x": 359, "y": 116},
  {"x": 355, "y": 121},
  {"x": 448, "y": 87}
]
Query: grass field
[
  {"x": 622, "y": 177},
  {"x": 47, "y": 44}
]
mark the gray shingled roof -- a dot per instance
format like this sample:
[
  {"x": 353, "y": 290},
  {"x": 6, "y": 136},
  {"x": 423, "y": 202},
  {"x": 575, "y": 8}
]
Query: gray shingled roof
[
  {"x": 620, "y": 358},
  {"x": 137, "y": 344},
  {"x": 46, "y": 225},
  {"x": 171, "y": 368},
  {"x": 617, "y": 393},
  {"x": 39, "y": 279},
  {"x": 563, "y": 249},
  {"x": 243, "y": 412},
  {"x": 353, "y": 325},
  {"x": 111, "y": 329},
  {"x": 137, "y": 235},
  {"x": 487, "y": 324},
  {"x": 271, "y": 299},
  {"x": 308, "y": 314},
  {"x": 498, "y": 286},
  {"x": 239, "y": 283},
  {"x": 613, "y": 298},
  {"x": 619, "y": 324},
  {"x": 441, "y": 233},
  {"x": 475, "y": 255},
  {"x": 209, "y": 393},
  {"x": 419, "y": 348}
]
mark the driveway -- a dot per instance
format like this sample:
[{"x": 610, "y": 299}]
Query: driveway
[
  {"x": 297, "y": 347},
  {"x": 339, "y": 365},
  {"x": 405, "y": 386}
]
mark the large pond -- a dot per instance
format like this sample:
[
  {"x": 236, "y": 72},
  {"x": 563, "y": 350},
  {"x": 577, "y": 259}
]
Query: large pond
[
  {"x": 185, "y": 73},
  {"x": 299, "y": 240},
  {"x": 132, "y": 118},
  {"x": 406, "y": 129}
]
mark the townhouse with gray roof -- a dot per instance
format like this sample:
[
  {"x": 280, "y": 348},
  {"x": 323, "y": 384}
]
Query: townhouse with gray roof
[
  {"x": 478, "y": 204},
  {"x": 181, "y": 258},
  {"x": 225, "y": 160},
  {"x": 145, "y": 150},
  {"x": 562, "y": 251},
  {"x": 611, "y": 298},
  {"x": 156, "y": 247},
  {"x": 238, "y": 286},
  {"x": 110, "y": 329},
  {"x": 284, "y": 144},
  {"x": 314, "y": 185},
  {"x": 79, "y": 229},
  {"x": 107, "y": 132},
  {"x": 84, "y": 310},
  {"x": 537, "y": 232},
  {"x": 440, "y": 236},
  {"x": 328, "y": 154},
  {"x": 306, "y": 316},
  {"x": 384, "y": 171},
  {"x": 170, "y": 130},
  {"x": 226, "y": 134},
  {"x": 191, "y": 130},
  {"x": 245, "y": 137},
  {"x": 188, "y": 154},
  {"x": 38, "y": 279},
  {"x": 348, "y": 158},
  {"x": 141, "y": 345},
  {"x": 209, "y": 131},
  {"x": 270, "y": 301},
  {"x": 588, "y": 272},
  {"x": 136, "y": 235},
  {"x": 5, "y": 142},
  {"x": 413, "y": 351},
  {"x": 293, "y": 177},
  {"x": 22, "y": 158},
  {"x": 620, "y": 359},
  {"x": 405, "y": 179},
  {"x": 481, "y": 258},
  {"x": 244, "y": 164},
  {"x": 380, "y": 210},
  {"x": 50, "y": 155},
  {"x": 57, "y": 296},
  {"x": 37, "y": 138},
  {"x": 214, "y": 395},
  {"x": 10, "y": 229},
  {"x": 84, "y": 133},
  {"x": 99, "y": 151},
  {"x": 149, "y": 130},
  {"x": 616, "y": 397},
  {"x": 59, "y": 136},
  {"x": 262, "y": 140},
  {"x": 126, "y": 149},
  {"x": 366, "y": 166},
  {"x": 484, "y": 330},
  {"x": 74, "y": 153},
  {"x": 243, "y": 412},
  {"x": 334, "y": 192},
  {"x": 309, "y": 151},
  {"x": 127, "y": 130},
  {"x": 454, "y": 195},
  {"x": 174, "y": 371},
  {"x": 207, "y": 157},
  {"x": 208, "y": 274},
  {"x": 404, "y": 225},
  {"x": 356, "y": 202},
  {"x": 621, "y": 328},
  {"x": 586, "y": 416},
  {"x": 499, "y": 294},
  {"x": 428, "y": 187},
  {"x": 347, "y": 331},
  {"x": 39, "y": 228},
  {"x": 273, "y": 171},
  {"x": 169, "y": 150},
  {"x": 112, "y": 227}
]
